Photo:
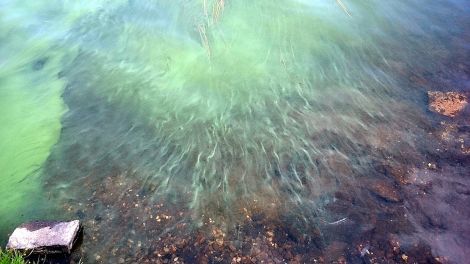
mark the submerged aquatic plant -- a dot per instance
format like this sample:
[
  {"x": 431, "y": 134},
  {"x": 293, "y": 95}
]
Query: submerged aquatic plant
[
  {"x": 247, "y": 100},
  {"x": 290, "y": 117}
]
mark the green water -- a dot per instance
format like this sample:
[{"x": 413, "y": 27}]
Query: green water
[
  {"x": 213, "y": 105},
  {"x": 221, "y": 88},
  {"x": 31, "y": 105},
  {"x": 31, "y": 108}
]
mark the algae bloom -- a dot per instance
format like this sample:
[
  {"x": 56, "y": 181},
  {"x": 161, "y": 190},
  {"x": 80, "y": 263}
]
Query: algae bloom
[
  {"x": 30, "y": 112},
  {"x": 172, "y": 118},
  {"x": 246, "y": 101}
]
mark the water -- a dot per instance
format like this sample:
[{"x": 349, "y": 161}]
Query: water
[{"x": 212, "y": 130}]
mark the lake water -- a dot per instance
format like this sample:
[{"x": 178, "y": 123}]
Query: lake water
[{"x": 218, "y": 131}]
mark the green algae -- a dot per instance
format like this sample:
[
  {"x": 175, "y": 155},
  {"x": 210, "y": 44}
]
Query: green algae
[
  {"x": 271, "y": 104},
  {"x": 234, "y": 93},
  {"x": 31, "y": 105},
  {"x": 30, "y": 112}
]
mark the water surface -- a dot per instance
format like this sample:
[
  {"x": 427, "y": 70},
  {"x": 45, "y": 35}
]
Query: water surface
[{"x": 211, "y": 130}]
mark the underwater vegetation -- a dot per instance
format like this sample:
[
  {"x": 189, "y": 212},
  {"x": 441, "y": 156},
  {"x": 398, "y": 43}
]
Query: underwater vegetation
[
  {"x": 212, "y": 110},
  {"x": 236, "y": 92}
]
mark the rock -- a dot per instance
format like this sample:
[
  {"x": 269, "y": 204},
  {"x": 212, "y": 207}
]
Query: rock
[
  {"x": 448, "y": 104},
  {"x": 385, "y": 191},
  {"x": 45, "y": 237}
]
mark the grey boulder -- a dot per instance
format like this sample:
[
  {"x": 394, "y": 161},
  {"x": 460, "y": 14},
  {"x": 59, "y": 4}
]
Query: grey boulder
[{"x": 45, "y": 237}]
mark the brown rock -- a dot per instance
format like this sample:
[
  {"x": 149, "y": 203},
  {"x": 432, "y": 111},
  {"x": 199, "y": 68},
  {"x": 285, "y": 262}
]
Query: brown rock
[
  {"x": 448, "y": 104},
  {"x": 385, "y": 191}
]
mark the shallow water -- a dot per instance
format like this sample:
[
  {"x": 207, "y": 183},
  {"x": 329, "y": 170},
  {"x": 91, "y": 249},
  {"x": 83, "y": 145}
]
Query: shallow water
[{"x": 222, "y": 128}]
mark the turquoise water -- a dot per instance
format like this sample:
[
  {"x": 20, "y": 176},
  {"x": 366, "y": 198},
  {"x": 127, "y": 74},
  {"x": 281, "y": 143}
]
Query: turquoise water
[{"x": 214, "y": 115}]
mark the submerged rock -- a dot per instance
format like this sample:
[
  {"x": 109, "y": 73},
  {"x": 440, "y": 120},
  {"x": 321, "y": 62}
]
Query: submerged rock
[
  {"x": 385, "y": 191},
  {"x": 448, "y": 104},
  {"x": 45, "y": 237}
]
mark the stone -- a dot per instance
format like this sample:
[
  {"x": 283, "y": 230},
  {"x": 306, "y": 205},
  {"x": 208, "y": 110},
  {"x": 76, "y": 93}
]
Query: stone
[
  {"x": 448, "y": 104},
  {"x": 45, "y": 237},
  {"x": 385, "y": 191}
]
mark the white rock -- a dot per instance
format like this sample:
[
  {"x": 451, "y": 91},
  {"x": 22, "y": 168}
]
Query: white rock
[{"x": 45, "y": 237}]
